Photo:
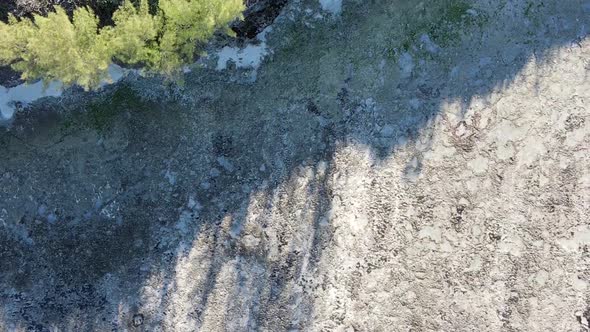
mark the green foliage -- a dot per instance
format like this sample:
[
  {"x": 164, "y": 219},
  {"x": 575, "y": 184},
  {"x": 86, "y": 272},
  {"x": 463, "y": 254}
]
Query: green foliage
[
  {"x": 79, "y": 52},
  {"x": 457, "y": 11},
  {"x": 13, "y": 38},
  {"x": 443, "y": 21},
  {"x": 134, "y": 35},
  {"x": 102, "y": 113},
  {"x": 188, "y": 23},
  {"x": 54, "y": 47}
]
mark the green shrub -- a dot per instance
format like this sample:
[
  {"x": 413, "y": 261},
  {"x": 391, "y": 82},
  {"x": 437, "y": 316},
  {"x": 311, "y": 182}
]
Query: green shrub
[{"x": 79, "y": 52}]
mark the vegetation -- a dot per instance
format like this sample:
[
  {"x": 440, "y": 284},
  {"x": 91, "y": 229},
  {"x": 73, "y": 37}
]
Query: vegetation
[
  {"x": 79, "y": 51},
  {"x": 443, "y": 21}
]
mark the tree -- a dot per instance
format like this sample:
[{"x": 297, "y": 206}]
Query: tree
[
  {"x": 79, "y": 52},
  {"x": 135, "y": 33},
  {"x": 189, "y": 23}
]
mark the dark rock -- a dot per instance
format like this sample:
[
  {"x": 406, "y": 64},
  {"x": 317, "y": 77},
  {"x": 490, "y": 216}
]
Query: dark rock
[
  {"x": 137, "y": 320},
  {"x": 258, "y": 15}
]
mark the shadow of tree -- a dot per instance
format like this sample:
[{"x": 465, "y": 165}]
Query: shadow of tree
[{"x": 209, "y": 208}]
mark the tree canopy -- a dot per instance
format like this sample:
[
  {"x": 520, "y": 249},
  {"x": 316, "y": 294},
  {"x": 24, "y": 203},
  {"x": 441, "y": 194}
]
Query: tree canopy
[{"x": 78, "y": 51}]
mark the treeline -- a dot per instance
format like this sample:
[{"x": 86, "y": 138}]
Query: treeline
[{"x": 79, "y": 51}]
